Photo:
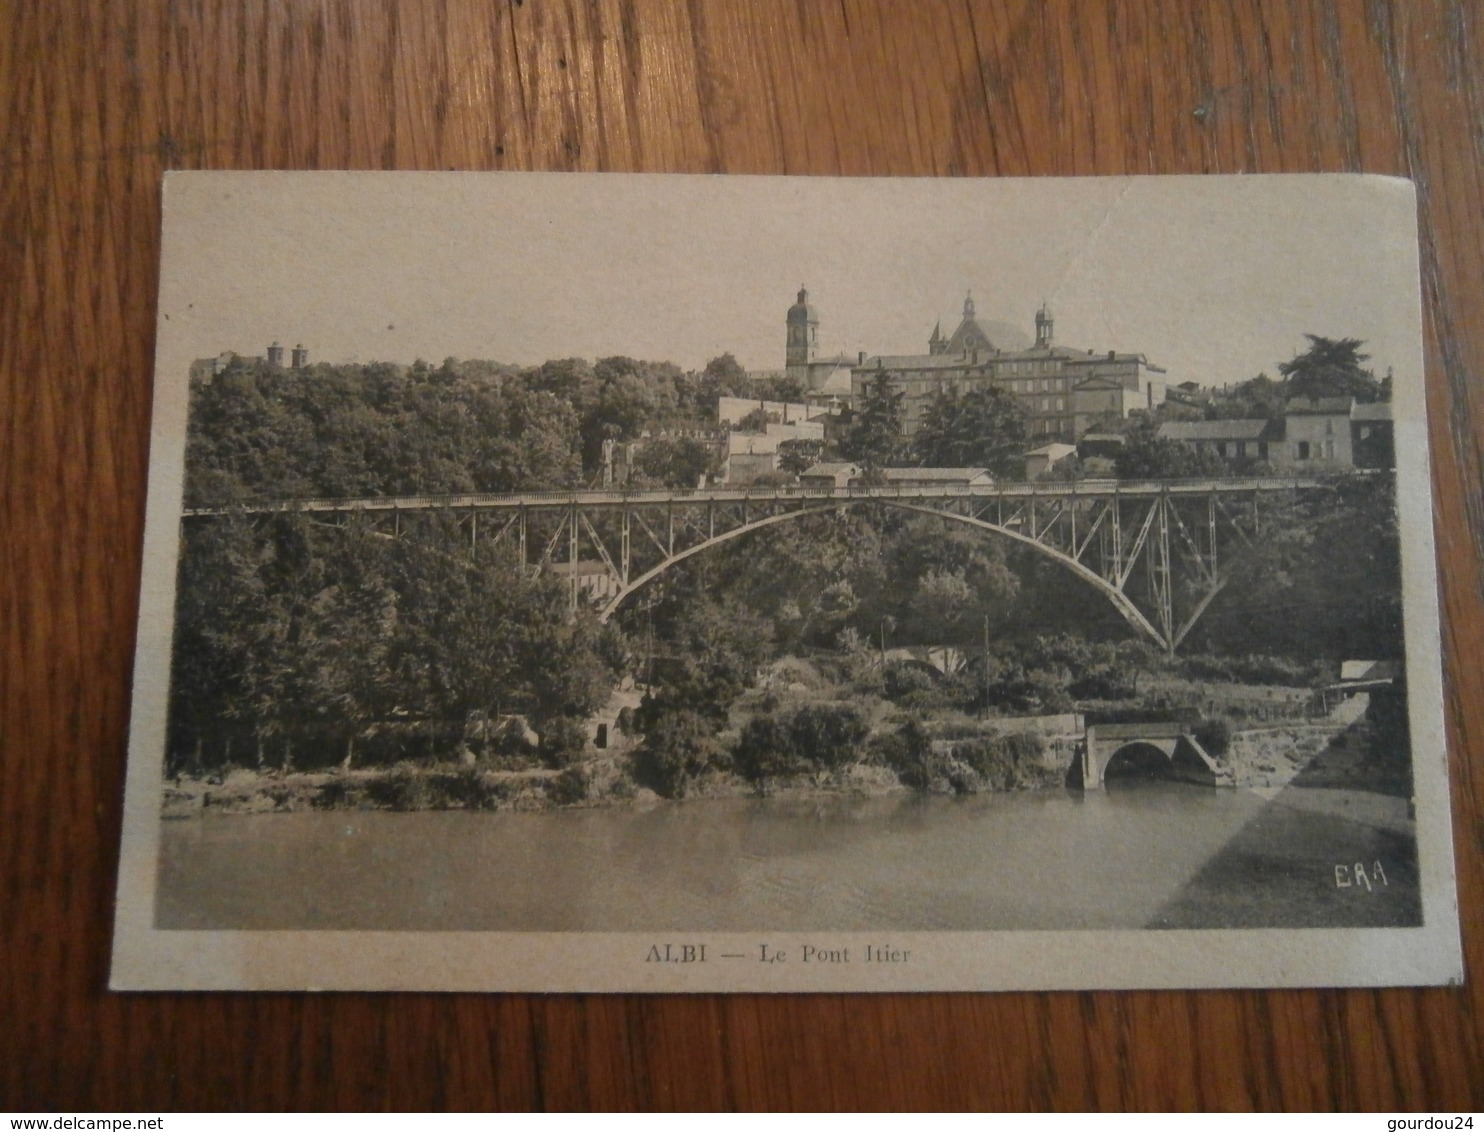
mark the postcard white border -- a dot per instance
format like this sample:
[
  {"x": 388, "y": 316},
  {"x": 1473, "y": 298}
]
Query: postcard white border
[{"x": 148, "y": 958}]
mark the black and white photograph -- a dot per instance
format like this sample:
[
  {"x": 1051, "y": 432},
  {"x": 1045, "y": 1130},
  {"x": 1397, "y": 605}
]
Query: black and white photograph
[{"x": 604, "y": 582}]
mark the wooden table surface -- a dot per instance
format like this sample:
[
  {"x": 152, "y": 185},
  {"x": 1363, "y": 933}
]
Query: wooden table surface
[{"x": 97, "y": 99}]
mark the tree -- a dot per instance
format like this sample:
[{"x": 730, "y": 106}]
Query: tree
[
  {"x": 675, "y": 461},
  {"x": 875, "y": 437},
  {"x": 942, "y": 579},
  {"x": 679, "y": 746},
  {"x": 722, "y": 377},
  {"x": 571, "y": 379},
  {"x": 1325, "y": 580},
  {"x": 474, "y": 638},
  {"x": 1261, "y": 398},
  {"x": 812, "y": 738},
  {"x": 755, "y": 421},
  {"x": 527, "y": 440},
  {"x": 718, "y": 646},
  {"x": 778, "y": 387},
  {"x": 1145, "y": 456},
  {"x": 797, "y": 456},
  {"x": 1331, "y": 367},
  {"x": 632, "y": 396},
  {"x": 218, "y": 633},
  {"x": 984, "y": 428}
]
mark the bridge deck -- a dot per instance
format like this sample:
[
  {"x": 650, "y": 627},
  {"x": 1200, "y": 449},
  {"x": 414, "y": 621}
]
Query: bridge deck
[{"x": 1081, "y": 489}]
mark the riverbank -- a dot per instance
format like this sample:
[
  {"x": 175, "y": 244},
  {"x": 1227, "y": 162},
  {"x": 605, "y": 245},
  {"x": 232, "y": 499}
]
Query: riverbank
[
  {"x": 454, "y": 786},
  {"x": 1340, "y": 753}
]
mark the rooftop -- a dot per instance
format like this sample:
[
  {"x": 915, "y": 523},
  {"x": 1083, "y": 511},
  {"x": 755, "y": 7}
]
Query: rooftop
[
  {"x": 959, "y": 360},
  {"x": 1320, "y": 406},
  {"x": 939, "y": 475},
  {"x": 1239, "y": 429},
  {"x": 1373, "y": 411}
]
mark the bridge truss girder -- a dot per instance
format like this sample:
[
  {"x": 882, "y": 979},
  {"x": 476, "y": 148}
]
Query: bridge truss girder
[{"x": 1158, "y": 556}]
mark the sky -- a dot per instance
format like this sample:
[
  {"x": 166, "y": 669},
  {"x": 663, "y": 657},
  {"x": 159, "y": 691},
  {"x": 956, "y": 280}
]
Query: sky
[{"x": 1213, "y": 278}]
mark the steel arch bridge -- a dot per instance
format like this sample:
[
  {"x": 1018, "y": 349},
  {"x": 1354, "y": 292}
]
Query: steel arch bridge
[{"x": 1154, "y": 549}]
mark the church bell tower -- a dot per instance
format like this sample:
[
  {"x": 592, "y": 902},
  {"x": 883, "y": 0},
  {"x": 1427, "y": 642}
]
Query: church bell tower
[
  {"x": 803, "y": 337},
  {"x": 1043, "y": 327}
]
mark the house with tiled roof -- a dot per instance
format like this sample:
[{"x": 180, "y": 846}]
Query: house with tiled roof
[
  {"x": 1239, "y": 439},
  {"x": 829, "y": 473},
  {"x": 935, "y": 477},
  {"x": 1313, "y": 435}
]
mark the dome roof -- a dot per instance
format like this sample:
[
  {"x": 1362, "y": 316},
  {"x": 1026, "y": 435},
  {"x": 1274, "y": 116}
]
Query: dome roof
[{"x": 803, "y": 310}]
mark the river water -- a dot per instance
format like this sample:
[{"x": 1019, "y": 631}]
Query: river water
[{"x": 1162, "y": 854}]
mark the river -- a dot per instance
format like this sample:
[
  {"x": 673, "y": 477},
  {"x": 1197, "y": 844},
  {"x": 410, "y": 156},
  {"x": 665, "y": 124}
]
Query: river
[{"x": 1156, "y": 855}]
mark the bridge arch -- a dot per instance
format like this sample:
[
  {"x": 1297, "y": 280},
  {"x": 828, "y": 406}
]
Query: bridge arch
[
  {"x": 716, "y": 540},
  {"x": 1116, "y": 596},
  {"x": 1140, "y": 759}
]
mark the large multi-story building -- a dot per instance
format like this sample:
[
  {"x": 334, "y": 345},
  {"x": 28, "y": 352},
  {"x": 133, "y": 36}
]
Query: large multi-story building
[{"x": 1062, "y": 391}]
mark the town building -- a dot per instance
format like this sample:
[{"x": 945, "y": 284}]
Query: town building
[
  {"x": 1191, "y": 393},
  {"x": 204, "y": 369},
  {"x": 935, "y": 477},
  {"x": 1239, "y": 439},
  {"x": 1063, "y": 392},
  {"x": 734, "y": 410},
  {"x": 1041, "y": 460},
  {"x": 1316, "y": 433},
  {"x": 593, "y": 580},
  {"x": 749, "y": 456},
  {"x": 1313, "y": 435},
  {"x": 824, "y": 377},
  {"x": 751, "y": 452},
  {"x": 1098, "y": 451},
  {"x": 830, "y": 474},
  {"x": 1371, "y": 438},
  {"x": 834, "y": 474}
]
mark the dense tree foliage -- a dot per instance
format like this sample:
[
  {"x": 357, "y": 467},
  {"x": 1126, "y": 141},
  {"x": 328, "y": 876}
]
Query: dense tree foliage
[
  {"x": 797, "y": 456},
  {"x": 1261, "y": 398},
  {"x": 1331, "y": 367},
  {"x": 812, "y": 737},
  {"x": 1325, "y": 579},
  {"x": 302, "y": 643},
  {"x": 303, "y": 637},
  {"x": 875, "y": 438},
  {"x": 262, "y": 431},
  {"x": 674, "y": 461},
  {"x": 984, "y": 428},
  {"x": 1145, "y": 456}
]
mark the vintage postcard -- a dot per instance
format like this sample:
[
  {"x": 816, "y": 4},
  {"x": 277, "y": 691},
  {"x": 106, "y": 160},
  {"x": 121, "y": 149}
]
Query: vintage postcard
[{"x": 657, "y": 583}]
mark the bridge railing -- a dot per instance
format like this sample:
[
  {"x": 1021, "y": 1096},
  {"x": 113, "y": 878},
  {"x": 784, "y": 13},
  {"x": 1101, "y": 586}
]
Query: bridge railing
[{"x": 1087, "y": 489}]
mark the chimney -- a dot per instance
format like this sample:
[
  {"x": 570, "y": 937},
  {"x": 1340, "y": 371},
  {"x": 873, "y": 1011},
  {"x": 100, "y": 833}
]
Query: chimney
[{"x": 861, "y": 360}]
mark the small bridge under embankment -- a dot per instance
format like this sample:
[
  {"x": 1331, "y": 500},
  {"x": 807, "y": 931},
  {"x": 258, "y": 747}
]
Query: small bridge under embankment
[{"x": 1164, "y": 750}]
